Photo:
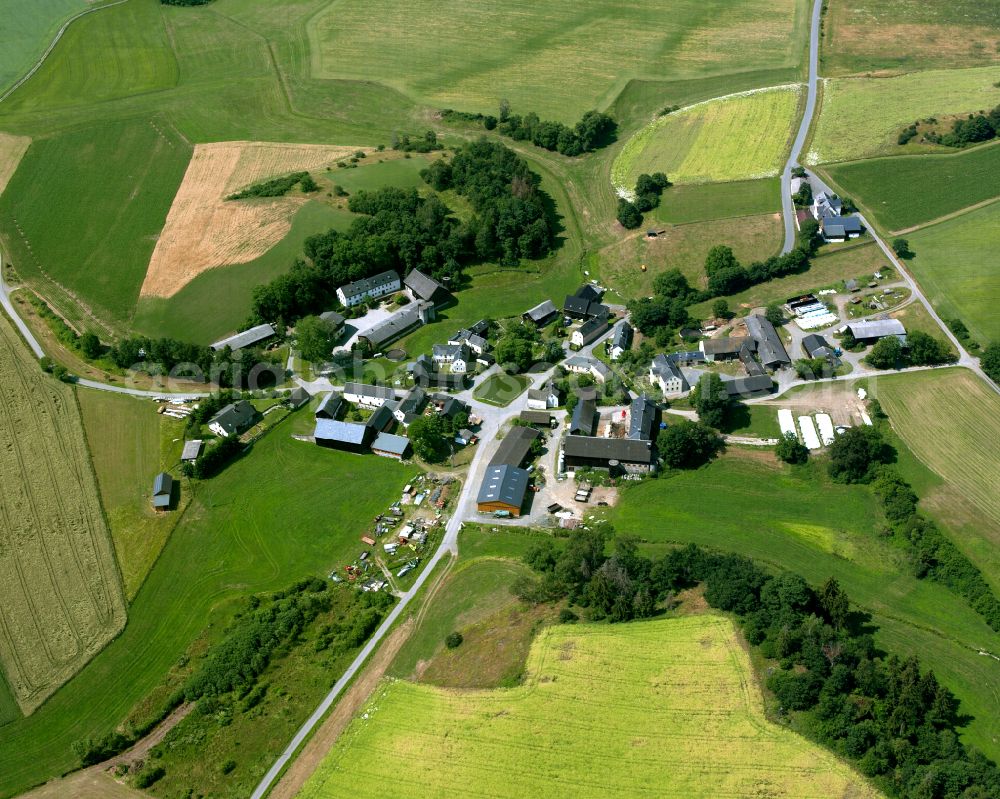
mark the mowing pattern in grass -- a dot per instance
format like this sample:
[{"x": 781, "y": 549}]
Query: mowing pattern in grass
[
  {"x": 861, "y": 117},
  {"x": 732, "y": 138},
  {"x": 950, "y": 419},
  {"x": 796, "y": 519},
  {"x": 957, "y": 266},
  {"x": 130, "y": 443},
  {"x": 29, "y": 26},
  {"x": 86, "y": 207},
  {"x": 607, "y": 710},
  {"x": 62, "y": 596},
  {"x": 902, "y": 34},
  {"x": 904, "y": 192},
  {"x": 544, "y": 56},
  {"x": 287, "y": 510},
  {"x": 501, "y": 389},
  {"x": 700, "y": 202}
]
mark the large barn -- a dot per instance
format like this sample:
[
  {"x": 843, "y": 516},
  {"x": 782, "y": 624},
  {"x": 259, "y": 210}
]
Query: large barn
[{"x": 503, "y": 489}]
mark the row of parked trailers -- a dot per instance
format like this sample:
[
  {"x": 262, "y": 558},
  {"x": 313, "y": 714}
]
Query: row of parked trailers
[{"x": 814, "y": 436}]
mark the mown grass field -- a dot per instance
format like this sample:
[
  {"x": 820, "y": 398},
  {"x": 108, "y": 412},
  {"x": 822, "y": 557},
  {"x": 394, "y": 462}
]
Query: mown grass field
[
  {"x": 62, "y": 599},
  {"x": 862, "y": 117},
  {"x": 797, "y": 519},
  {"x": 84, "y": 208},
  {"x": 606, "y": 710},
  {"x": 732, "y": 138},
  {"x": 897, "y": 193},
  {"x": 899, "y": 34},
  {"x": 501, "y": 389},
  {"x": 827, "y": 269},
  {"x": 946, "y": 419},
  {"x": 957, "y": 267},
  {"x": 285, "y": 511},
  {"x": 29, "y": 26},
  {"x": 130, "y": 444},
  {"x": 542, "y": 56},
  {"x": 701, "y": 202}
]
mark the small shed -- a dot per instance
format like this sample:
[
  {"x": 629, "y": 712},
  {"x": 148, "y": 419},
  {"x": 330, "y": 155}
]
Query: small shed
[
  {"x": 163, "y": 492},
  {"x": 192, "y": 449}
]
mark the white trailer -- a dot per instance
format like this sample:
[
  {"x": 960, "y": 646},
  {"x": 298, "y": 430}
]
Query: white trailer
[
  {"x": 825, "y": 425},
  {"x": 786, "y": 422},
  {"x": 809, "y": 437}
]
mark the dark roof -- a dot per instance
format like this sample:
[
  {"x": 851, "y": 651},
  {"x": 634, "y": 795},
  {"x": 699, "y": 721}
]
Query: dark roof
[
  {"x": 536, "y": 417},
  {"x": 840, "y": 225},
  {"x": 643, "y": 418},
  {"x": 592, "y": 328},
  {"x": 813, "y": 342},
  {"x": 369, "y": 283},
  {"x": 726, "y": 345},
  {"x": 481, "y": 327},
  {"x": 622, "y": 336},
  {"x": 541, "y": 312},
  {"x": 330, "y": 406},
  {"x": 424, "y": 286},
  {"x": 298, "y": 397},
  {"x": 346, "y": 432},
  {"x": 751, "y": 364},
  {"x": 769, "y": 347},
  {"x": 576, "y": 305},
  {"x": 235, "y": 417},
  {"x": 744, "y": 386},
  {"x": 588, "y": 292},
  {"x": 394, "y": 445},
  {"x": 163, "y": 484},
  {"x": 623, "y": 450},
  {"x": 245, "y": 339},
  {"x": 413, "y": 401},
  {"x": 515, "y": 447},
  {"x": 450, "y": 406},
  {"x": 381, "y": 417},
  {"x": 365, "y": 390},
  {"x": 506, "y": 484},
  {"x": 334, "y": 318},
  {"x": 584, "y": 419},
  {"x": 392, "y": 327},
  {"x": 451, "y": 352}
]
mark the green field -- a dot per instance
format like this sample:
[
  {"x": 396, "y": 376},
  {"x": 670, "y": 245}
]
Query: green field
[
  {"x": 129, "y": 444},
  {"x": 897, "y": 191},
  {"x": 733, "y": 138},
  {"x": 29, "y": 26},
  {"x": 799, "y": 520},
  {"x": 286, "y": 510},
  {"x": 861, "y": 117},
  {"x": 899, "y": 34},
  {"x": 542, "y": 56},
  {"x": 606, "y": 710},
  {"x": 956, "y": 265},
  {"x": 700, "y": 202},
  {"x": 84, "y": 208},
  {"x": 944, "y": 417},
  {"x": 501, "y": 389}
]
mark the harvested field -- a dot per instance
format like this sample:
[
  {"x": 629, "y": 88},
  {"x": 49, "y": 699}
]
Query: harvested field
[
  {"x": 62, "y": 591},
  {"x": 204, "y": 230},
  {"x": 12, "y": 149},
  {"x": 606, "y": 710}
]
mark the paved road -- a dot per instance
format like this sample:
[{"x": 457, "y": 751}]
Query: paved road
[
  {"x": 8, "y": 306},
  {"x": 787, "y": 207}
]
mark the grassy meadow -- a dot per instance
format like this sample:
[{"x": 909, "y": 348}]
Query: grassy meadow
[
  {"x": 29, "y": 26},
  {"x": 701, "y": 202},
  {"x": 286, "y": 510},
  {"x": 542, "y": 56},
  {"x": 956, "y": 265},
  {"x": 501, "y": 389},
  {"x": 604, "y": 710},
  {"x": 861, "y": 117},
  {"x": 897, "y": 193},
  {"x": 733, "y": 138},
  {"x": 796, "y": 518}
]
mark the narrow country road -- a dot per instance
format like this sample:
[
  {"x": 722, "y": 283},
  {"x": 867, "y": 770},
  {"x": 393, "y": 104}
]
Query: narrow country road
[
  {"x": 787, "y": 207},
  {"x": 19, "y": 323}
]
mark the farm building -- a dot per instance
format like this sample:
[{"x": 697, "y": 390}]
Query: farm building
[
  {"x": 770, "y": 350},
  {"x": 457, "y": 356},
  {"x": 369, "y": 396},
  {"x": 391, "y": 446},
  {"x": 337, "y": 320},
  {"x": 644, "y": 419},
  {"x": 425, "y": 373},
  {"x": 346, "y": 436},
  {"x": 689, "y": 358},
  {"x": 725, "y": 348},
  {"x": 410, "y": 405},
  {"x": 816, "y": 346},
  {"x": 503, "y": 489},
  {"x": 589, "y": 292},
  {"x": 449, "y": 406},
  {"x": 584, "y": 419},
  {"x": 840, "y": 228},
  {"x": 234, "y": 419},
  {"x": 627, "y": 454},
  {"x": 192, "y": 449},
  {"x": 750, "y": 364},
  {"x": 871, "y": 331},
  {"x": 826, "y": 204},
  {"x": 541, "y": 314},
  {"x": 298, "y": 397},
  {"x": 665, "y": 373},
  {"x": 473, "y": 341},
  {"x": 621, "y": 341},
  {"x": 536, "y": 418},
  {"x": 539, "y": 399},
  {"x": 382, "y": 417},
  {"x": 248, "y": 338},
  {"x": 515, "y": 447},
  {"x": 396, "y": 326},
  {"x": 163, "y": 492},
  {"x": 581, "y": 364},
  {"x": 589, "y": 331},
  {"x": 465, "y": 437},
  {"x": 369, "y": 288},
  {"x": 585, "y": 304},
  {"x": 330, "y": 407},
  {"x": 423, "y": 287},
  {"x": 753, "y": 386}
]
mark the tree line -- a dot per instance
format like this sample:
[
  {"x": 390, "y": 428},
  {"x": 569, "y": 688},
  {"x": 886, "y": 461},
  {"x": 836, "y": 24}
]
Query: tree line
[
  {"x": 973, "y": 129},
  {"x": 225, "y": 367},
  {"x": 895, "y": 721},
  {"x": 401, "y": 230},
  {"x": 277, "y": 187}
]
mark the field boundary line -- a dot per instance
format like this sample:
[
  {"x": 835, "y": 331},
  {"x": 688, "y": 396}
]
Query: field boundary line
[
  {"x": 947, "y": 217},
  {"x": 52, "y": 46}
]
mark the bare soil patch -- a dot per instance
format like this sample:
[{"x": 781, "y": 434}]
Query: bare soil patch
[
  {"x": 12, "y": 150},
  {"x": 203, "y": 230}
]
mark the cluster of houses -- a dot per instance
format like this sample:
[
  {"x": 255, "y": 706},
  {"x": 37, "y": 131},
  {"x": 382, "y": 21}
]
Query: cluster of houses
[
  {"x": 465, "y": 351},
  {"x": 827, "y": 209},
  {"x": 627, "y": 444}
]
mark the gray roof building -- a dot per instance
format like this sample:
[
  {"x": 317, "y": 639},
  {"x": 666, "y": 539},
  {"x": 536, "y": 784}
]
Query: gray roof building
[
  {"x": 751, "y": 364},
  {"x": 505, "y": 485},
  {"x": 374, "y": 286},
  {"x": 644, "y": 419},
  {"x": 192, "y": 449},
  {"x": 351, "y": 436},
  {"x": 397, "y": 325},
  {"x": 391, "y": 445},
  {"x": 813, "y": 343},
  {"x": 446, "y": 353},
  {"x": 381, "y": 417},
  {"x": 412, "y": 402},
  {"x": 330, "y": 406},
  {"x": 840, "y": 227},
  {"x": 298, "y": 397},
  {"x": 425, "y": 287},
  {"x": 234, "y": 418},
  {"x": 536, "y": 417},
  {"x": 334, "y": 318},
  {"x": 369, "y": 392},
  {"x": 471, "y": 340},
  {"x": 247, "y": 338},
  {"x": 877, "y": 328},
  {"x": 770, "y": 350},
  {"x": 589, "y": 292},
  {"x": 584, "y": 419},
  {"x": 163, "y": 490},
  {"x": 725, "y": 347},
  {"x": 590, "y": 330},
  {"x": 515, "y": 447},
  {"x": 541, "y": 313},
  {"x": 606, "y": 452},
  {"x": 748, "y": 386},
  {"x": 622, "y": 337}
]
